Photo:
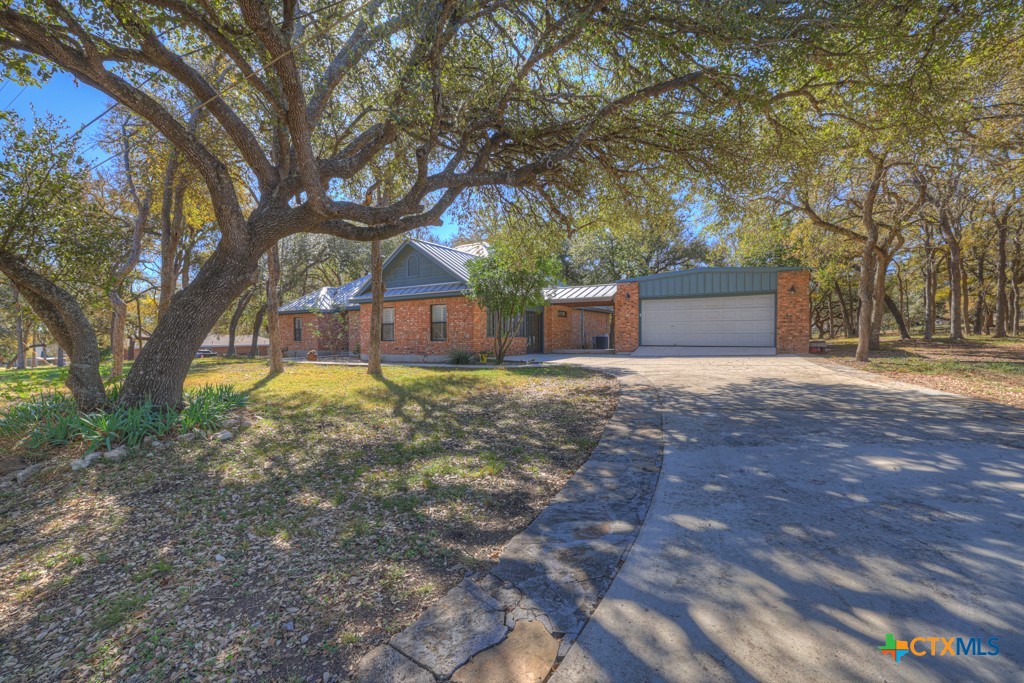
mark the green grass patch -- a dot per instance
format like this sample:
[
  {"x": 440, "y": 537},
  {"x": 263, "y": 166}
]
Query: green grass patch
[{"x": 119, "y": 609}]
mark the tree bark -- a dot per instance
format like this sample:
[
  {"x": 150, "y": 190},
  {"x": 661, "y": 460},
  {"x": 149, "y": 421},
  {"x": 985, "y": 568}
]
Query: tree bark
[
  {"x": 878, "y": 304},
  {"x": 172, "y": 217},
  {"x": 274, "y": 303},
  {"x": 68, "y": 324},
  {"x": 898, "y": 315},
  {"x": 159, "y": 373},
  {"x": 19, "y": 332},
  {"x": 956, "y": 316},
  {"x": 376, "y": 310},
  {"x": 869, "y": 252},
  {"x": 979, "y": 308},
  {"x": 254, "y": 345},
  {"x": 848, "y": 329},
  {"x": 929, "y": 286},
  {"x": 235, "y": 317},
  {"x": 1001, "y": 302}
]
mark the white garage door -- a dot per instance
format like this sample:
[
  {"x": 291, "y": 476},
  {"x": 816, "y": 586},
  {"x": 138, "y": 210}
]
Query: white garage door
[{"x": 709, "y": 321}]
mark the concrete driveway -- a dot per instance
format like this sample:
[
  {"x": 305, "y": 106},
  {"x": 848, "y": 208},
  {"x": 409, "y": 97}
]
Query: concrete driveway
[{"x": 804, "y": 512}]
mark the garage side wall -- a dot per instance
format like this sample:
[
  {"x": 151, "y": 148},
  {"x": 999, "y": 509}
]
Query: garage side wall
[
  {"x": 793, "y": 312},
  {"x": 627, "y": 317}
]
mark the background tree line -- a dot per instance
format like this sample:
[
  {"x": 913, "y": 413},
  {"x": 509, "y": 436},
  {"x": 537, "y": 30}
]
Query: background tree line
[{"x": 867, "y": 140}]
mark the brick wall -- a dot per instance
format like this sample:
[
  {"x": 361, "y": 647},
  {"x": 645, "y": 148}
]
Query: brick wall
[
  {"x": 354, "y": 331},
  {"x": 589, "y": 325},
  {"x": 315, "y": 335},
  {"x": 793, "y": 314},
  {"x": 558, "y": 329},
  {"x": 575, "y": 330},
  {"x": 467, "y": 329},
  {"x": 627, "y": 317}
]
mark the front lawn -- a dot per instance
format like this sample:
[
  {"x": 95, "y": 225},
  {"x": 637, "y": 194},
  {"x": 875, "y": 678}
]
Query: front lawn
[
  {"x": 986, "y": 368},
  {"x": 285, "y": 553}
]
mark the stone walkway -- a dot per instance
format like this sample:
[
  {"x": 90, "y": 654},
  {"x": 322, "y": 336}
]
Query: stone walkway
[{"x": 513, "y": 624}]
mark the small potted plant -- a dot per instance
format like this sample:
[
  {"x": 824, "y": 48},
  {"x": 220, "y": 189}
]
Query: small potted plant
[{"x": 311, "y": 354}]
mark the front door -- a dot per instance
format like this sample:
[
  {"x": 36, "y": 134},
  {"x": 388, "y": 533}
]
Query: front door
[{"x": 533, "y": 326}]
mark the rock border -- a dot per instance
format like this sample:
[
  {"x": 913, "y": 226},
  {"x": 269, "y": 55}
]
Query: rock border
[{"x": 554, "y": 572}]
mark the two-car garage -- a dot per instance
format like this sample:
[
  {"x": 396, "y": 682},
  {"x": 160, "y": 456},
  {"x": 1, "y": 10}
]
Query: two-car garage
[
  {"x": 730, "y": 321},
  {"x": 727, "y": 309}
]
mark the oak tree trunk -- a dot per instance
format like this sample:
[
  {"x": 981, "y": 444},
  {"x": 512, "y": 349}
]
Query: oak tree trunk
[
  {"x": 878, "y": 304},
  {"x": 979, "y": 308},
  {"x": 64, "y": 318},
  {"x": 956, "y": 324},
  {"x": 866, "y": 294},
  {"x": 119, "y": 320},
  {"x": 160, "y": 370},
  {"x": 19, "y": 332},
  {"x": 235, "y": 318},
  {"x": 376, "y": 310},
  {"x": 254, "y": 344},
  {"x": 274, "y": 303},
  {"x": 1001, "y": 302},
  {"x": 898, "y": 315}
]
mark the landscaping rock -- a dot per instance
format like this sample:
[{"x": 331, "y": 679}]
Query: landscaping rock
[
  {"x": 116, "y": 454},
  {"x": 223, "y": 435},
  {"x": 85, "y": 461},
  {"x": 230, "y": 423},
  {"x": 451, "y": 631},
  {"x": 30, "y": 472},
  {"x": 190, "y": 436},
  {"x": 526, "y": 656},
  {"x": 384, "y": 664}
]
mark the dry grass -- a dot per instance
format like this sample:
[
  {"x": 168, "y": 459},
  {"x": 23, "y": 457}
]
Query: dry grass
[
  {"x": 982, "y": 367},
  {"x": 346, "y": 508}
]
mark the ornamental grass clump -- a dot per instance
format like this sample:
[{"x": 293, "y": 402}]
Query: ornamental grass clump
[{"x": 52, "y": 419}]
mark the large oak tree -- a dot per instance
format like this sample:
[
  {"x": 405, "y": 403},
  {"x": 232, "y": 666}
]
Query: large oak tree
[{"x": 448, "y": 95}]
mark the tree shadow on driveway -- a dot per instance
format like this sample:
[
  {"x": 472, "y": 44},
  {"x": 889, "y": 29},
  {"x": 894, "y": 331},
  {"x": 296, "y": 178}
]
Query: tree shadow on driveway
[{"x": 801, "y": 518}]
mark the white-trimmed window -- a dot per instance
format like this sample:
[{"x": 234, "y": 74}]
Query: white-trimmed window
[
  {"x": 439, "y": 322},
  {"x": 387, "y": 324}
]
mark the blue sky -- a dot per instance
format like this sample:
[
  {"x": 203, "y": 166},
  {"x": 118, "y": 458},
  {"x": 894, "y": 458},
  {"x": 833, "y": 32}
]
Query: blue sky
[{"x": 78, "y": 104}]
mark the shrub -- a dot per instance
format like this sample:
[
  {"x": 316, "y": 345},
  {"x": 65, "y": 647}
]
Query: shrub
[
  {"x": 206, "y": 407},
  {"x": 47, "y": 418},
  {"x": 460, "y": 357},
  {"x": 52, "y": 419}
]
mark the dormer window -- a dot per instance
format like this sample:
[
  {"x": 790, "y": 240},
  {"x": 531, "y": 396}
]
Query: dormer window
[{"x": 413, "y": 266}]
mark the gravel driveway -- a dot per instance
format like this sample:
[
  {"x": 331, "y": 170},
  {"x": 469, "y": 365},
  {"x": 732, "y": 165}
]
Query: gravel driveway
[{"x": 804, "y": 512}]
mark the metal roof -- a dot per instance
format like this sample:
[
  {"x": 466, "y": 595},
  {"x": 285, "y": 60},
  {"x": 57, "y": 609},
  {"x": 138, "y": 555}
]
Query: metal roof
[
  {"x": 417, "y": 292},
  {"x": 452, "y": 259},
  {"x": 327, "y": 299},
  {"x": 571, "y": 294}
]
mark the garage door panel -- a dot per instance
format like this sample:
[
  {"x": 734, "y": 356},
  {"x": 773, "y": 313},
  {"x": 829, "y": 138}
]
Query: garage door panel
[{"x": 709, "y": 321}]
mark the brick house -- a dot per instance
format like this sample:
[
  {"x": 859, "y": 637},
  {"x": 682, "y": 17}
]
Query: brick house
[
  {"x": 325, "y": 321},
  {"x": 426, "y": 312}
]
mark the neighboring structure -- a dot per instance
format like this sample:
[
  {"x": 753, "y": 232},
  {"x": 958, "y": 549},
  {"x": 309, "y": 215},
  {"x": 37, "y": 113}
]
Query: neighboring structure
[
  {"x": 243, "y": 342},
  {"x": 325, "y": 321},
  {"x": 426, "y": 311}
]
